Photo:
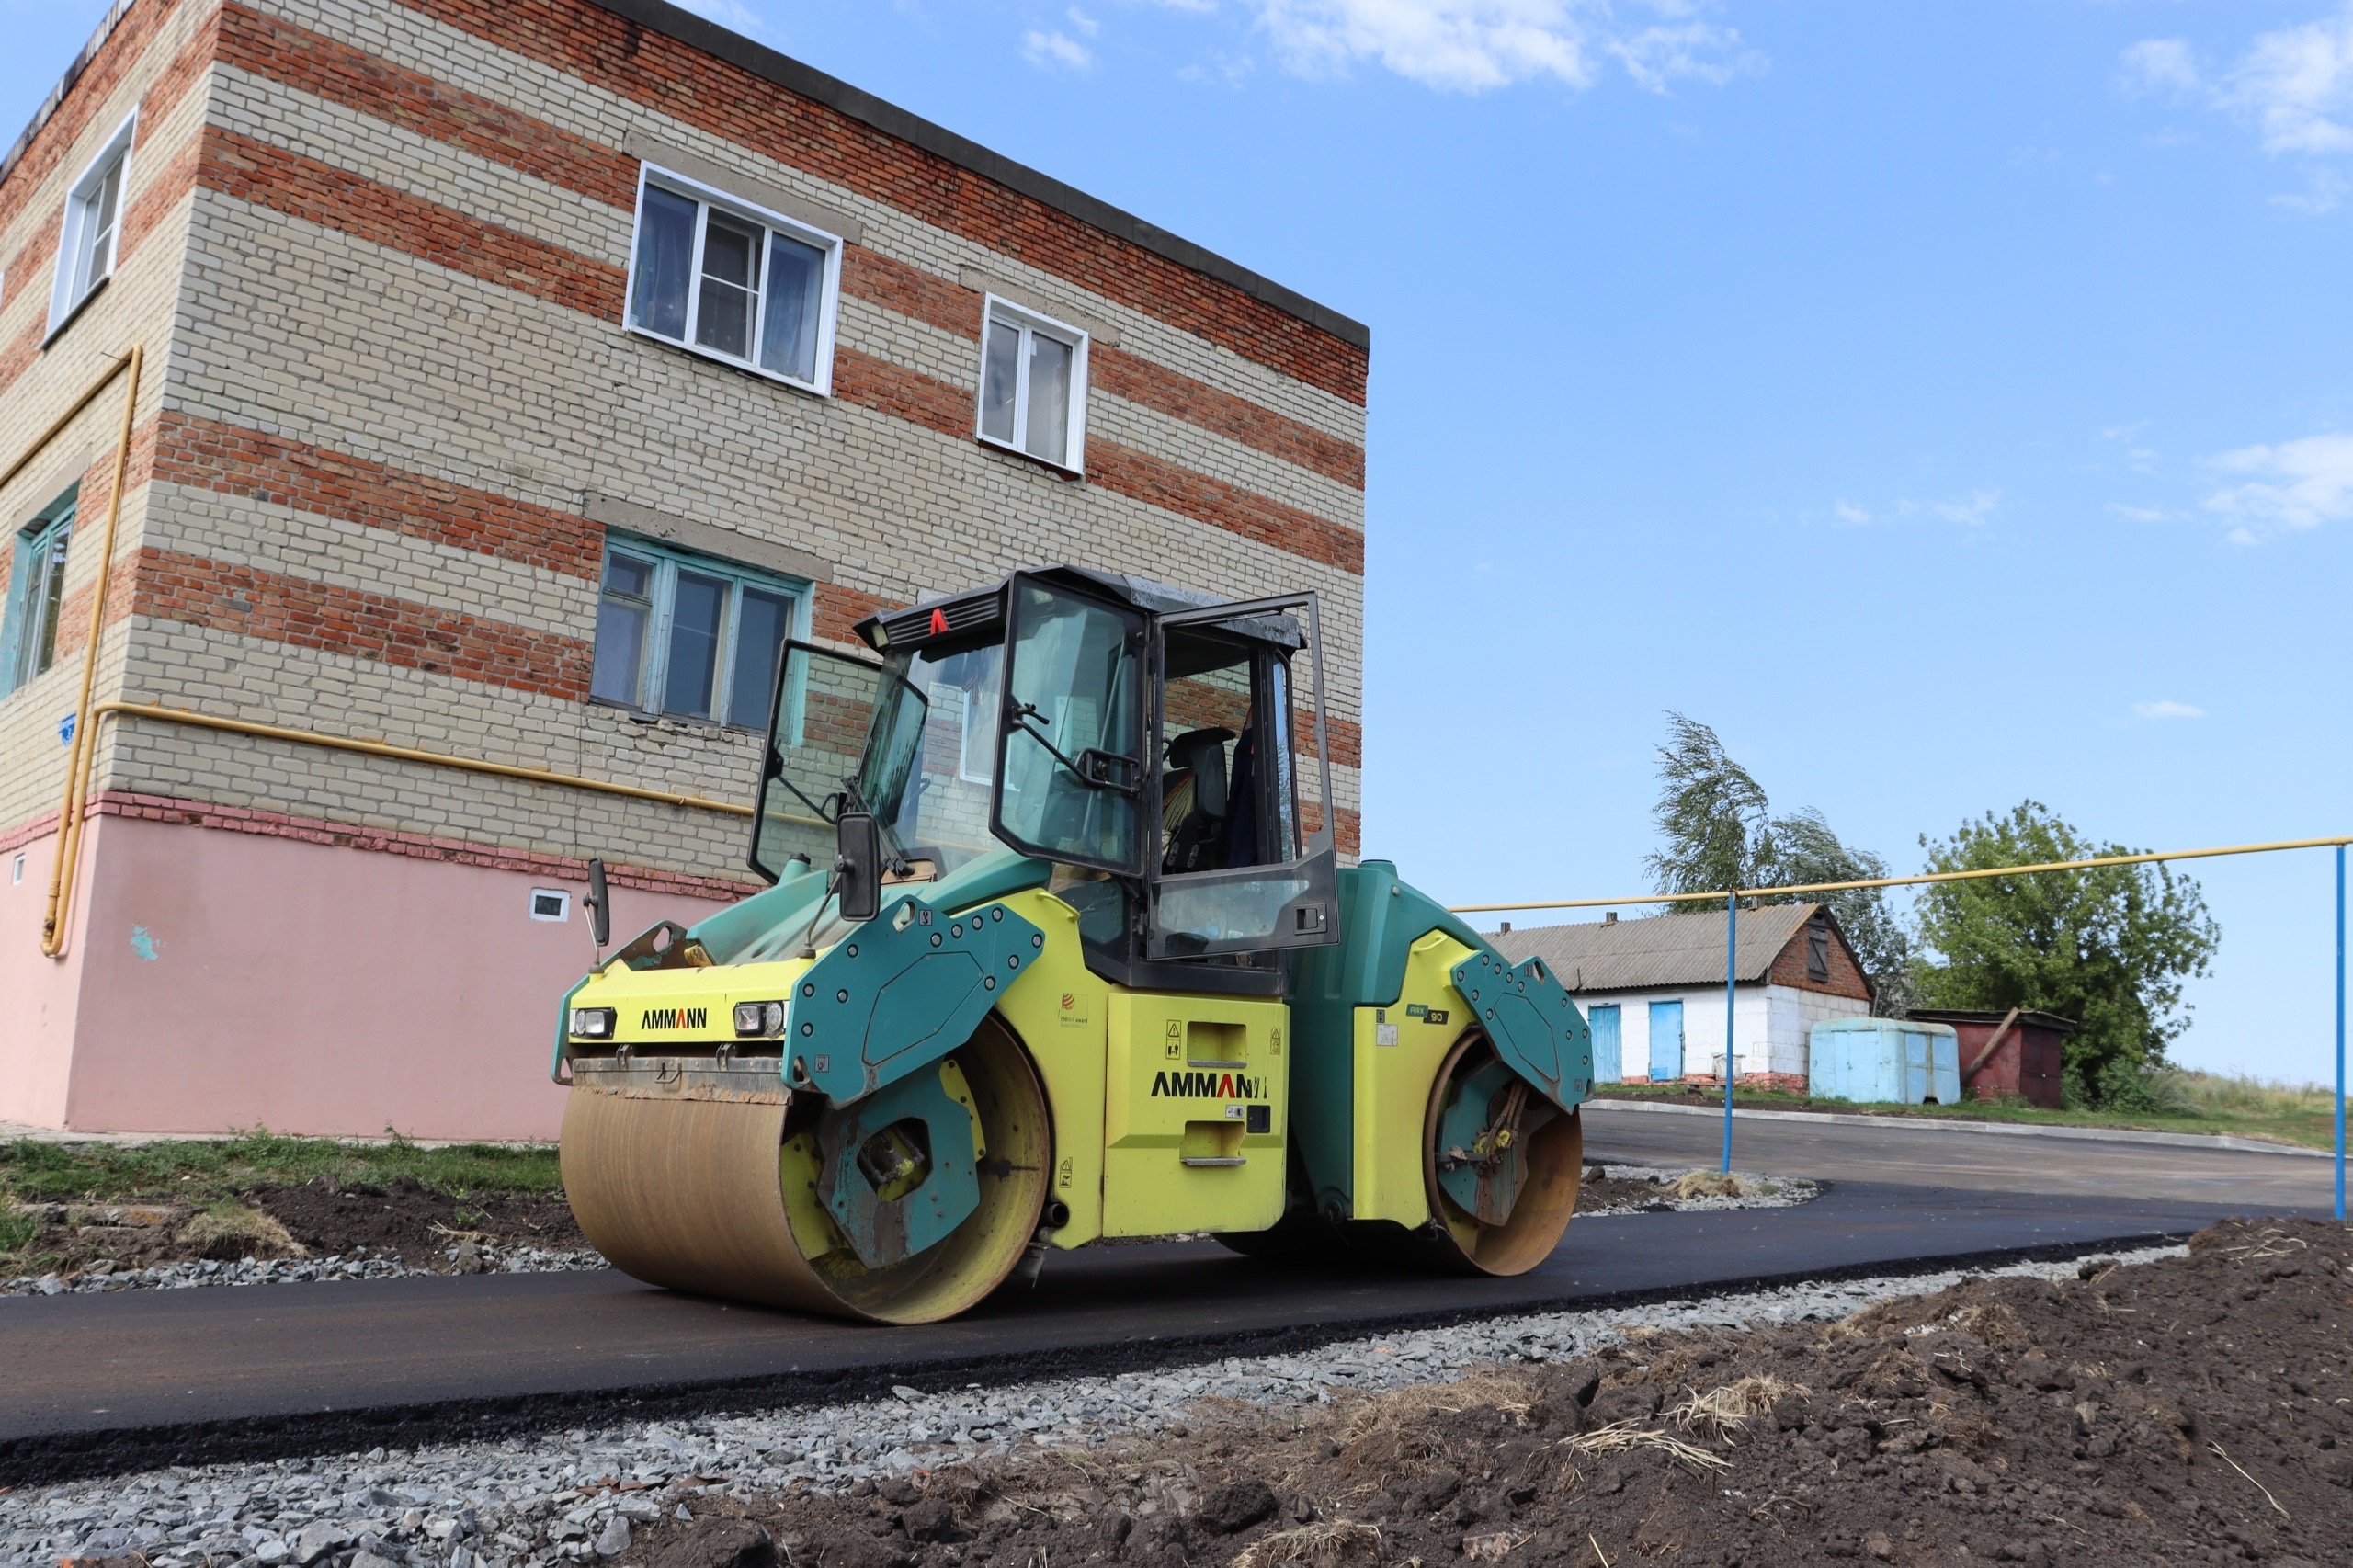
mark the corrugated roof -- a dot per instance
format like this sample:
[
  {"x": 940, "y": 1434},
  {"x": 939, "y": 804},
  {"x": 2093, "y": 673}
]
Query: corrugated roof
[{"x": 1658, "y": 950}]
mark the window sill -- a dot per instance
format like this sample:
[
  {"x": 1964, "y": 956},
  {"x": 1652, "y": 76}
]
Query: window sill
[
  {"x": 684, "y": 722},
  {"x": 74, "y": 313},
  {"x": 1006, "y": 449},
  {"x": 818, "y": 389}
]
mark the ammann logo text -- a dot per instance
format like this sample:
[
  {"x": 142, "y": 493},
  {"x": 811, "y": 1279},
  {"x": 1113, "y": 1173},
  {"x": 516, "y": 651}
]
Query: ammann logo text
[
  {"x": 1206, "y": 1086},
  {"x": 676, "y": 1018}
]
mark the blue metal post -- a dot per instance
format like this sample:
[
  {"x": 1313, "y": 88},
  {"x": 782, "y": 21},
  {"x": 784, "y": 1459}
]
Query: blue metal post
[
  {"x": 1732, "y": 962},
  {"x": 2340, "y": 1031}
]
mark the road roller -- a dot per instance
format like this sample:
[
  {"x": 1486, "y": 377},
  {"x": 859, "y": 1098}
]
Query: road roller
[{"x": 1057, "y": 947}]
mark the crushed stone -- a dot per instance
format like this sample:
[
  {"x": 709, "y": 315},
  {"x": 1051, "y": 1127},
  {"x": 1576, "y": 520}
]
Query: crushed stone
[{"x": 554, "y": 1498}]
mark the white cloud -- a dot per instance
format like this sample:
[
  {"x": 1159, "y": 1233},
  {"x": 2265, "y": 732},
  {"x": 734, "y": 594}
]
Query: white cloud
[
  {"x": 2324, "y": 192},
  {"x": 1055, "y": 51},
  {"x": 2294, "y": 86},
  {"x": 2167, "y": 710},
  {"x": 2139, "y": 514},
  {"x": 1969, "y": 510},
  {"x": 2296, "y": 83},
  {"x": 1978, "y": 506},
  {"x": 2162, "y": 65},
  {"x": 1475, "y": 45},
  {"x": 2294, "y": 484}
]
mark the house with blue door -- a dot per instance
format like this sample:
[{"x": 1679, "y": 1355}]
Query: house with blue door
[{"x": 1653, "y": 990}]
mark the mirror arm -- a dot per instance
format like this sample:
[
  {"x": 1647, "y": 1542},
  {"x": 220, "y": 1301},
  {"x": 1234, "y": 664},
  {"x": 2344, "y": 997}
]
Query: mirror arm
[{"x": 1093, "y": 777}]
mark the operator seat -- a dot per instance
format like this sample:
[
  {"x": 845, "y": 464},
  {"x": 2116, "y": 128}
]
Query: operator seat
[{"x": 1195, "y": 800}]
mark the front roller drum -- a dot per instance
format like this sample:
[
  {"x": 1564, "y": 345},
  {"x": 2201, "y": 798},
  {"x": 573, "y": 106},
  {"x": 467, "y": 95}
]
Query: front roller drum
[{"x": 709, "y": 1196}]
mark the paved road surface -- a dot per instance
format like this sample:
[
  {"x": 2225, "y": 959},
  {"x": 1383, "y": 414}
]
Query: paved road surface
[
  {"x": 1870, "y": 1149},
  {"x": 148, "y": 1377}
]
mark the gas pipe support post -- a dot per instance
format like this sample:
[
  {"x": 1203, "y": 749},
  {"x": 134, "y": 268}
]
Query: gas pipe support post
[
  {"x": 70, "y": 815},
  {"x": 2340, "y": 1032},
  {"x": 1732, "y": 951}
]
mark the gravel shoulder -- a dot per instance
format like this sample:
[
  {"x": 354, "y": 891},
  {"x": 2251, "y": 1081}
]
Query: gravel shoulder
[{"x": 2167, "y": 1406}]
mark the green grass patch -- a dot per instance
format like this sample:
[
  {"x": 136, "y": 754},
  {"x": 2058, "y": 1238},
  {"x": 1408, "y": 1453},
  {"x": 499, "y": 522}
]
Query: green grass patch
[
  {"x": 199, "y": 1172},
  {"x": 2196, "y": 1102}
]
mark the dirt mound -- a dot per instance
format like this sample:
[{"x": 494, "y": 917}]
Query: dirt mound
[
  {"x": 2191, "y": 1410},
  {"x": 404, "y": 1218},
  {"x": 407, "y": 1220}
]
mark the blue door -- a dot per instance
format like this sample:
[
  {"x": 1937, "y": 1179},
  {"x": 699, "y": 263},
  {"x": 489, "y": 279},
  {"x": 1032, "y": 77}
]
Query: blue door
[
  {"x": 1606, "y": 1055},
  {"x": 1915, "y": 1068},
  {"x": 1667, "y": 1042}
]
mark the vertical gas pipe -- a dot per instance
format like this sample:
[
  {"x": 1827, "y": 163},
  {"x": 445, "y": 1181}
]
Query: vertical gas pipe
[
  {"x": 2340, "y": 1031},
  {"x": 1732, "y": 949}
]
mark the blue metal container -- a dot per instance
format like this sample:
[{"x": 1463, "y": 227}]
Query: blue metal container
[{"x": 1884, "y": 1061}]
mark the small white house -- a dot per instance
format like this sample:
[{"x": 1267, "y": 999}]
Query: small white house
[{"x": 1653, "y": 990}]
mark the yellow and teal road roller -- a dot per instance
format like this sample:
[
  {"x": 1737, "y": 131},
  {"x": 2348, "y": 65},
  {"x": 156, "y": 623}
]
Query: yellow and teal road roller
[{"x": 1058, "y": 948}]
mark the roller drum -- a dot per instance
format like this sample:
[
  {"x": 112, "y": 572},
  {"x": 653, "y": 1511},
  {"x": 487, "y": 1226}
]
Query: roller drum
[{"x": 692, "y": 1194}]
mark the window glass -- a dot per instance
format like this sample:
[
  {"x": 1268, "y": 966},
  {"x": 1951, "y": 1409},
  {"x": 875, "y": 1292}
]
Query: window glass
[
  {"x": 622, "y": 616},
  {"x": 1073, "y": 682},
  {"x": 87, "y": 241},
  {"x": 1209, "y": 782},
  {"x": 697, "y": 606},
  {"x": 731, "y": 279},
  {"x": 1000, "y": 375},
  {"x": 689, "y": 636},
  {"x": 100, "y": 260},
  {"x": 915, "y": 778},
  {"x": 730, "y": 285},
  {"x": 36, "y": 598},
  {"x": 795, "y": 301},
  {"x": 665, "y": 251},
  {"x": 762, "y": 623},
  {"x": 1033, "y": 391},
  {"x": 1048, "y": 432}
]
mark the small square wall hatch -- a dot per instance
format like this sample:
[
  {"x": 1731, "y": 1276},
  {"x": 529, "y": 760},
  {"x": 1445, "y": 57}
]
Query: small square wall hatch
[{"x": 549, "y": 904}]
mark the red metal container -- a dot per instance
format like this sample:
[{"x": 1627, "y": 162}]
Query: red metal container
[{"x": 2024, "y": 1064}]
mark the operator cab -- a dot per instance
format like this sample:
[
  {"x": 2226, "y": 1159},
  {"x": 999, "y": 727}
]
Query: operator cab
[{"x": 1146, "y": 741}]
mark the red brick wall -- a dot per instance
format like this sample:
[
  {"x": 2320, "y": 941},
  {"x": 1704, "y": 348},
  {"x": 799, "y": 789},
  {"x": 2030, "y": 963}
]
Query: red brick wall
[{"x": 1846, "y": 974}]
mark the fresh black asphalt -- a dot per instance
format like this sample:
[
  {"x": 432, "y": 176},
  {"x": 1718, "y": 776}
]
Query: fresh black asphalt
[{"x": 103, "y": 1383}]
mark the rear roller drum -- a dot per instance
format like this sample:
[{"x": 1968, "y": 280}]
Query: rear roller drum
[
  {"x": 1500, "y": 1162},
  {"x": 908, "y": 1206}
]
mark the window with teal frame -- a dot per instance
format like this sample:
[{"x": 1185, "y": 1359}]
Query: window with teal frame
[
  {"x": 689, "y": 637},
  {"x": 35, "y": 595}
]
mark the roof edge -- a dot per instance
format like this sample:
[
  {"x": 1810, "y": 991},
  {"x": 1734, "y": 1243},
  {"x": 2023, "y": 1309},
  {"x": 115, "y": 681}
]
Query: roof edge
[
  {"x": 48, "y": 106},
  {"x": 808, "y": 82}
]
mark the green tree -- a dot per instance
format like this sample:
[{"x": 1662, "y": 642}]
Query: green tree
[
  {"x": 2109, "y": 947},
  {"x": 1712, "y": 815},
  {"x": 1717, "y": 832}
]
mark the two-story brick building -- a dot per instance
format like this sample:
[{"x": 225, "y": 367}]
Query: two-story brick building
[{"x": 512, "y": 378}]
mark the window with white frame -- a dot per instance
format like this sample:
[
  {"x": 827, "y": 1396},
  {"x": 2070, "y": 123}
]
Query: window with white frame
[
  {"x": 1033, "y": 384},
  {"x": 36, "y": 595},
  {"x": 85, "y": 249},
  {"x": 689, "y": 637},
  {"x": 735, "y": 282}
]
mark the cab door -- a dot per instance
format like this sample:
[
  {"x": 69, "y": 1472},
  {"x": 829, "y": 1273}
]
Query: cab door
[
  {"x": 1069, "y": 775},
  {"x": 1246, "y": 862}
]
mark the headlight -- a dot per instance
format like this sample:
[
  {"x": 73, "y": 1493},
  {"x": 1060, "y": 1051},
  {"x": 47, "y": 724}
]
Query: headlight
[
  {"x": 592, "y": 1023},
  {"x": 759, "y": 1017}
]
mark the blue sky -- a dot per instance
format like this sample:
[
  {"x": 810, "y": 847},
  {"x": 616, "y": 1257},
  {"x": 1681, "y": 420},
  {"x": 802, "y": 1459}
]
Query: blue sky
[{"x": 1945, "y": 400}]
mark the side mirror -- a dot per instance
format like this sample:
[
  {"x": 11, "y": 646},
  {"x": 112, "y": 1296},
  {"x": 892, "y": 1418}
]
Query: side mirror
[
  {"x": 859, "y": 867},
  {"x": 600, "y": 905}
]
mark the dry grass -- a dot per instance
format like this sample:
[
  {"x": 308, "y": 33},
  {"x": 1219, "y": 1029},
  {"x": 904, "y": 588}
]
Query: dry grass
[
  {"x": 231, "y": 1230},
  {"x": 1324, "y": 1542},
  {"x": 1721, "y": 1412},
  {"x": 1390, "y": 1436},
  {"x": 1706, "y": 1184},
  {"x": 1625, "y": 1436}
]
